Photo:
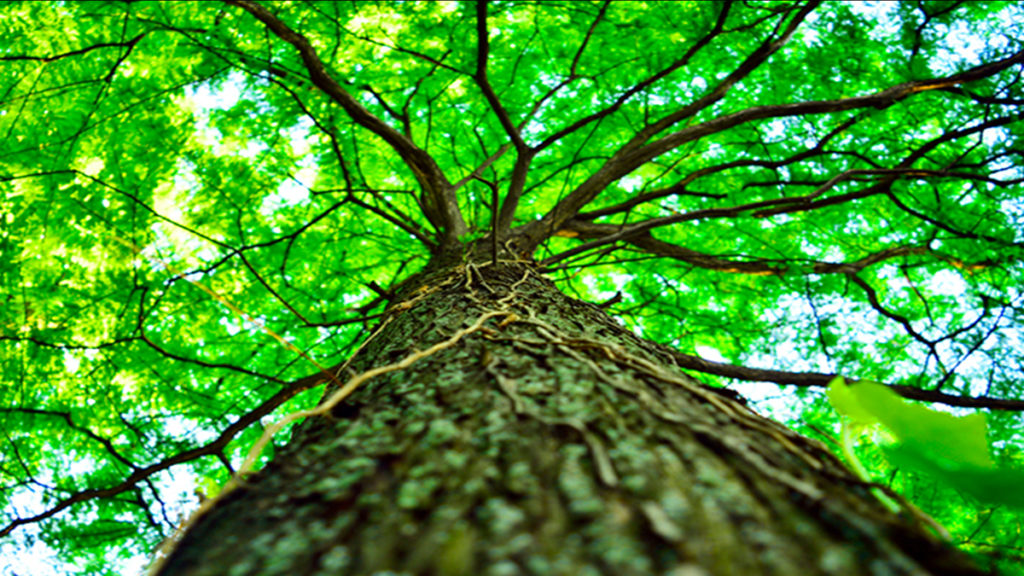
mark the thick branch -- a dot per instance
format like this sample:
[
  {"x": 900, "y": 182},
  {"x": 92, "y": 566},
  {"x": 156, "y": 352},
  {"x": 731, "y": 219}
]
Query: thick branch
[
  {"x": 632, "y": 154},
  {"x": 483, "y": 49},
  {"x": 441, "y": 207},
  {"x": 629, "y": 159},
  {"x": 763, "y": 267}
]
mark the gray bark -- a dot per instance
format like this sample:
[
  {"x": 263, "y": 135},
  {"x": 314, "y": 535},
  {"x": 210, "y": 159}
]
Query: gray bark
[{"x": 552, "y": 441}]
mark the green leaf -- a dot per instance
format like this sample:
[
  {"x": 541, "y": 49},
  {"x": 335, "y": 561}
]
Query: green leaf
[
  {"x": 952, "y": 448},
  {"x": 987, "y": 484}
]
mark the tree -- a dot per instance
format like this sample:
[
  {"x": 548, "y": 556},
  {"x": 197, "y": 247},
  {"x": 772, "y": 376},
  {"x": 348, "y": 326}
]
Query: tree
[{"x": 367, "y": 234}]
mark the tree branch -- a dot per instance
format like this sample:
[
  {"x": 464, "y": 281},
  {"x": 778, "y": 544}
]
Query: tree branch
[
  {"x": 820, "y": 380},
  {"x": 524, "y": 155},
  {"x": 627, "y": 232},
  {"x": 126, "y": 44},
  {"x": 760, "y": 266},
  {"x": 634, "y": 153},
  {"x": 441, "y": 206},
  {"x": 212, "y": 448},
  {"x": 679, "y": 188},
  {"x": 407, "y": 226},
  {"x": 879, "y": 100},
  {"x": 107, "y": 444},
  {"x": 631, "y": 157},
  {"x": 643, "y": 84}
]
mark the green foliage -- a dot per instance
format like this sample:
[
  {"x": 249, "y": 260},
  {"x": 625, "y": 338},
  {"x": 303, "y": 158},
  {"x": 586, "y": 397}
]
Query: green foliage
[
  {"x": 150, "y": 147},
  {"x": 953, "y": 449}
]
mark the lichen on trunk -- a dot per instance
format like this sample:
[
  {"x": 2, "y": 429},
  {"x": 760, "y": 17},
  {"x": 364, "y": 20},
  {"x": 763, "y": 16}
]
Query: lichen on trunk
[{"x": 549, "y": 441}]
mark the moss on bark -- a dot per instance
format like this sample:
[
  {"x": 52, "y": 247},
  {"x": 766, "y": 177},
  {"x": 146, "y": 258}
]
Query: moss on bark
[{"x": 553, "y": 441}]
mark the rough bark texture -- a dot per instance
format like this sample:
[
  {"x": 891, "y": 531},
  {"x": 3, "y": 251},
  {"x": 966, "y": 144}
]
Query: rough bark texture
[{"x": 550, "y": 441}]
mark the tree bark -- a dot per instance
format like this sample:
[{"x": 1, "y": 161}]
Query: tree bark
[{"x": 549, "y": 441}]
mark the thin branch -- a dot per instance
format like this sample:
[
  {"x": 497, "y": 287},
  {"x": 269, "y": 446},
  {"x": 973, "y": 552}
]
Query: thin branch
[
  {"x": 643, "y": 84},
  {"x": 820, "y": 380},
  {"x": 806, "y": 201},
  {"x": 590, "y": 32},
  {"x": 479, "y": 170},
  {"x": 679, "y": 188},
  {"x": 875, "y": 303},
  {"x": 880, "y": 100},
  {"x": 636, "y": 230},
  {"x": 66, "y": 417},
  {"x": 407, "y": 226},
  {"x": 524, "y": 155},
  {"x": 126, "y": 44},
  {"x": 212, "y": 448}
]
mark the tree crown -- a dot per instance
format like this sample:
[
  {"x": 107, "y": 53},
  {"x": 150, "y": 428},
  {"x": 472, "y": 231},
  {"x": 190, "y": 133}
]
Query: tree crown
[{"x": 790, "y": 190}]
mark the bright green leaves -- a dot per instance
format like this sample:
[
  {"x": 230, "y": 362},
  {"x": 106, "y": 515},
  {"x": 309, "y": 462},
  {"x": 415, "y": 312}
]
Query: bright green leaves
[
  {"x": 958, "y": 439},
  {"x": 953, "y": 449},
  {"x": 285, "y": 206}
]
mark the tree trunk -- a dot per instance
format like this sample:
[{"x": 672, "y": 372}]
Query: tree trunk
[{"x": 548, "y": 441}]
